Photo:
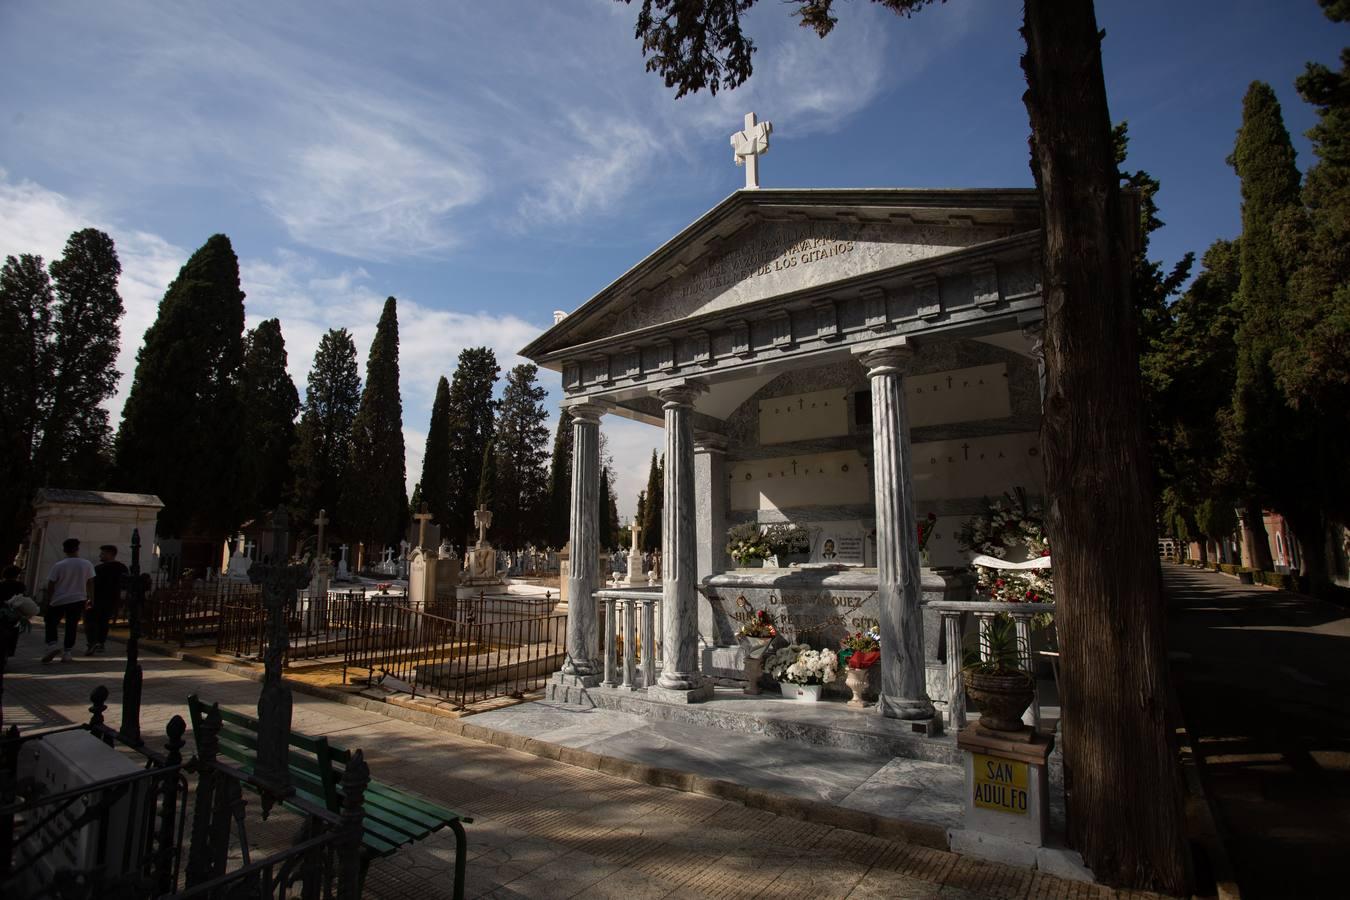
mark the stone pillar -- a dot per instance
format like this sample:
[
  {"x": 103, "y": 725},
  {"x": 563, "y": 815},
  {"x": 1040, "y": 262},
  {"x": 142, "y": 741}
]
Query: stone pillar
[
  {"x": 583, "y": 644},
  {"x": 680, "y": 680},
  {"x": 899, "y": 588},
  {"x": 710, "y": 502}
]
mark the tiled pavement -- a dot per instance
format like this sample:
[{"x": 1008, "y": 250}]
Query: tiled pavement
[{"x": 545, "y": 829}]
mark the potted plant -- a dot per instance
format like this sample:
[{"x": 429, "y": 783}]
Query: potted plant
[
  {"x": 996, "y": 679},
  {"x": 803, "y": 672},
  {"x": 859, "y": 652},
  {"x": 755, "y": 635},
  {"x": 747, "y": 546},
  {"x": 788, "y": 543}
]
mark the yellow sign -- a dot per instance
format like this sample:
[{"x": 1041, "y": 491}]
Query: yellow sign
[{"x": 1000, "y": 784}]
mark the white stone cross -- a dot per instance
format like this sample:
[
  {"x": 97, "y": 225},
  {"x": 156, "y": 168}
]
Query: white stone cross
[
  {"x": 482, "y": 517},
  {"x": 422, "y": 516},
  {"x": 749, "y": 145}
]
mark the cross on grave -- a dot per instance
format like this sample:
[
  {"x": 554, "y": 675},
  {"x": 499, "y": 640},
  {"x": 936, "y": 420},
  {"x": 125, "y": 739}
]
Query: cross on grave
[
  {"x": 279, "y": 583},
  {"x": 749, "y": 145},
  {"x": 482, "y": 518},
  {"x": 320, "y": 548},
  {"x": 966, "y": 448},
  {"x": 949, "y": 382},
  {"x": 422, "y": 517}
]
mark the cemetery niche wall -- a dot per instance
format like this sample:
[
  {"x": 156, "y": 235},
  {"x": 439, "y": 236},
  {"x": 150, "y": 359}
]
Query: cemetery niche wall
[{"x": 848, "y": 361}]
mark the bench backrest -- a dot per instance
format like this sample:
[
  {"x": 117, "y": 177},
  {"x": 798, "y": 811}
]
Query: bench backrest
[{"x": 311, "y": 759}]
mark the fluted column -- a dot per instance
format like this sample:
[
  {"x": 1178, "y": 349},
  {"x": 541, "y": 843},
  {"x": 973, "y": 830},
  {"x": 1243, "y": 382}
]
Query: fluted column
[
  {"x": 899, "y": 590},
  {"x": 679, "y": 550},
  {"x": 583, "y": 644}
]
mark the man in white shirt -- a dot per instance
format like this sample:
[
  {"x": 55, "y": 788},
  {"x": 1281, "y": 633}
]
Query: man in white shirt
[{"x": 69, "y": 587}]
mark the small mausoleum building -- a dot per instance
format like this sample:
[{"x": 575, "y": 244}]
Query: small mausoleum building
[
  {"x": 95, "y": 518},
  {"x": 845, "y": 360}
]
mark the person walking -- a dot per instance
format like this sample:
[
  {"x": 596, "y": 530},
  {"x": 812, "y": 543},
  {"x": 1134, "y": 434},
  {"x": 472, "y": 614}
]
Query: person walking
[
  {"x": 108, "y": 581},
  {"x": 69, "y": 587}
]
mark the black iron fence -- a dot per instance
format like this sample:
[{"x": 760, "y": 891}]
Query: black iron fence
[
  {"x": 317, "y": 627},
  {"x": 459, "y": 659},
  {"x": 191, "y": 611}
]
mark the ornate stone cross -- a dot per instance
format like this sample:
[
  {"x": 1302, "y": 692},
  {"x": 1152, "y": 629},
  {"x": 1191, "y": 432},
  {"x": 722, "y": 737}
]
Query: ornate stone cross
[
  {"x": 482, "y": 518},
  {"x": 279, "y": 583},
  {"x": 321, "y": 550},
  {"x": 749, "y": 145},
  {"x": 422, "y": 517}
]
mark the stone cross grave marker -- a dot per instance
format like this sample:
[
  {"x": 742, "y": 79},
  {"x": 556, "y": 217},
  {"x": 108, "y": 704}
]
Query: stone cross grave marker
[
  {"x": 422, "y": 516},
  {"x": 482, "y": 518},
  {"x": 321, "y": 549},
  {"x": 749, "y": 145},
  {"x": 279, "y": 583}
]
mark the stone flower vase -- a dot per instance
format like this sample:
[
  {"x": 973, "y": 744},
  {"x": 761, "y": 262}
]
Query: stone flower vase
[
  {"x": 858, "y": 681},
  {"x": 754, "y": 661},
  {"x": 1001, "y": 698}
]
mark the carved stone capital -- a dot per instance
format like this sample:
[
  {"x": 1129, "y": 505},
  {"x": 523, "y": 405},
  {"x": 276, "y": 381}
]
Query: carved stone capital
[
  {"x": 681, "y": 395},
  {"x": 708, "y": 442},
  {"x": 890, "y": 360},
  {"x": 586, "y": 413}
]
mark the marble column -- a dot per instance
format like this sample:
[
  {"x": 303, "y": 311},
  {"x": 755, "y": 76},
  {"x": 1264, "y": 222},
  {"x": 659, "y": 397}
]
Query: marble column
[
  {"x": 903, "y": 692},
  {"x": 680, "y": 680},
  {"x": 583, "y": 634},
  {"x": 710, "y": 524}
]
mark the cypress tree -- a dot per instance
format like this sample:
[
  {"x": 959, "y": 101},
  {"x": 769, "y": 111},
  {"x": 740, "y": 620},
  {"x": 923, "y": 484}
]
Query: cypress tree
[
  {"x": 521, "y": 442},
  {"x": 1264, "y": 161},
  {"x": 270, "y": 406},
  {"x": 609, "y": 514},
  {"x": 487, "y": 480},
  {"x": 375, "y": 491},
  {"x": 25, "y": 389},
  {"x": 180, "y": 424},
  {"x": 324, "y": 437},
  {"x": 434, "y": 488},
  {"x": 652, "y": 508},
  {"x": 560, "y": 482},
  {"x": 77, "y": 437},
  {"x": 471, "y": 422}
]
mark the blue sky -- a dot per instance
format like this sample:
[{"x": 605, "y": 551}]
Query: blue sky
[{"x": 488, "y": 163}]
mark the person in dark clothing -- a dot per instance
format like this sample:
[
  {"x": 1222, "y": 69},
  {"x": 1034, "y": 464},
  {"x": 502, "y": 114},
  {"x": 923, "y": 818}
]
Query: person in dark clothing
[
  {"x": 108, "y": 580},
  {"x": 10, "y": 585}
]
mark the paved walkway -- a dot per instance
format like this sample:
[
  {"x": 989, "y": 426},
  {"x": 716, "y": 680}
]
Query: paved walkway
[
  {"x": 548, "y": 830},
  {"x": 1264, "y": 679}
]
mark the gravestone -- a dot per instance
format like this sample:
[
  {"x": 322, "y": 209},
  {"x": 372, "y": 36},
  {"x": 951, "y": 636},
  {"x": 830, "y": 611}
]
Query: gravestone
[{"x": 481, "y": 560}]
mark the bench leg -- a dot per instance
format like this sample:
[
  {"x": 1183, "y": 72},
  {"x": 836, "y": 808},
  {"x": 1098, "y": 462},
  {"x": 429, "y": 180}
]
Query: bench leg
[{"x": 461, "y": 853}]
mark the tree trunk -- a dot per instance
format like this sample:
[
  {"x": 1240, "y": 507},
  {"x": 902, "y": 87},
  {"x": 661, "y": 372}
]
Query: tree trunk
[
  {"x": 1125, "y": 810},
  {"x": 1310, "y": 530},
  {"x": 1255, "y": 536}
]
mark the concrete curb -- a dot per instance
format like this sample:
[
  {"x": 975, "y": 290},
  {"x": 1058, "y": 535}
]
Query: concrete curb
[{"x": 921, "y": 833}]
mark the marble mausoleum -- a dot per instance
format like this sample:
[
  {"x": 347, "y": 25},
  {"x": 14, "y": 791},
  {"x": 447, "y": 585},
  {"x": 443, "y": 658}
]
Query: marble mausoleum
[{"x": 846, "y": 360}]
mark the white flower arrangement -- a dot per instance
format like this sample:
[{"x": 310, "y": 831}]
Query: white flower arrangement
[{"x": 799, "y": 664}]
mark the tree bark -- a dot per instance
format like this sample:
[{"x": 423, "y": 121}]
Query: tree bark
[{"x": 1125, "y": 809}]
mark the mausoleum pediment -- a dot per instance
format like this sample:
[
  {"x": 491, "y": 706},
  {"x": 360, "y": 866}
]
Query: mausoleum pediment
[{"x": 757, "y": 245}]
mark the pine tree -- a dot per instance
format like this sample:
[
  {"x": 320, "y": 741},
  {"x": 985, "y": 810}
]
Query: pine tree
[
  {"x": 1264, "y": 424},
  {"x": 375, "y": 497},
  {"x": 471, "y": 422},
  {"x": 25, "y": 389},
  {"x": 560, "y": 482},
  {"x": 179, "y": 422},
  {"x": 270, "y": 406},
  {"x": 521, "y": 442},
  {"x": 76, "y": 437},
  {"x": 652, "y": 509},
  {"x": 434, "y": 488},
  {"x": 324, "y": 437}
]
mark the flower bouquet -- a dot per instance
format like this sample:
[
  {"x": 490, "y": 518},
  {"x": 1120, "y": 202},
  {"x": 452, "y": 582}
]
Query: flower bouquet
[
  {"x": 861, "y": 650},
  {"x": 789, "y": 543},
  {"x": 14, "y": 617},
  {"x": 747, "y": 545},
  {"x": 756, "y": 633},
  {"x": 925, "y": 529},
  {"x": 802, "y": 672}
]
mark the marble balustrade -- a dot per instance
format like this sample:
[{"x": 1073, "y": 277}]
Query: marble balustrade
[
  {"x": 984, "y": 613},
  {"x": 630, "y": 623}
]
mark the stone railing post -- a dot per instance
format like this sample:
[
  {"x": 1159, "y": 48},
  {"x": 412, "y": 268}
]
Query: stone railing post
[
  {"x": 608, "y": 644},
  {"x": 956, "y": 686},
  {"x": 648, "y": 641},
  {"x": 629, "y": 620}
]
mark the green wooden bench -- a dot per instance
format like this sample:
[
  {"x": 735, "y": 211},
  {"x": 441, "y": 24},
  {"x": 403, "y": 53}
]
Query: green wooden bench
[{"x": 392, "y": 817}]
